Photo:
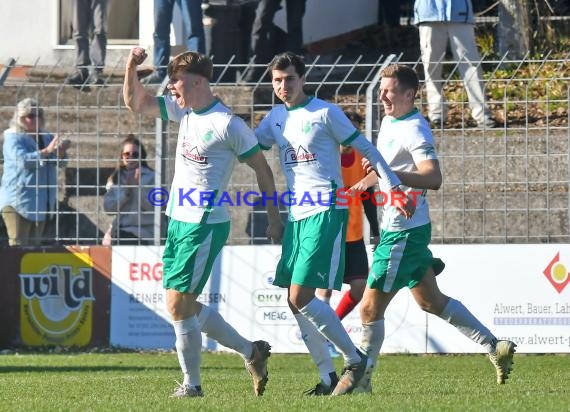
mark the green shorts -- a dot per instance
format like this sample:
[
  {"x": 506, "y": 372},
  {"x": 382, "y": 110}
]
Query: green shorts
[
  {"x": 313, "y": 251},
  {"x": 401, "y": 259},
  {"x": 189, "y": 254}
]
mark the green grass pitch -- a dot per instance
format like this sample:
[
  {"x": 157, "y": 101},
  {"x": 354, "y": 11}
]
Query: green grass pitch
[{"x": 144, "y": 381}]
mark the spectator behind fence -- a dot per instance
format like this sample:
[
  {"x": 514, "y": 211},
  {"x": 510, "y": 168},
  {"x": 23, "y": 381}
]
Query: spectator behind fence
[
  {"x": 439, "y": 22},
  {"x": 191, "y": 11},
  {"x": 28, "y": 193},
  {"x": 89, "y": 15},
  {"x": 127, "y": 197},
  {"x": 264, "y": 44}
]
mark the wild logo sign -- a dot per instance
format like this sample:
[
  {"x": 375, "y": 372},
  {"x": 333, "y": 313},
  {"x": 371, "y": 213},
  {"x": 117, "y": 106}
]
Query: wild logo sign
[{"x": 56, "y": 301}]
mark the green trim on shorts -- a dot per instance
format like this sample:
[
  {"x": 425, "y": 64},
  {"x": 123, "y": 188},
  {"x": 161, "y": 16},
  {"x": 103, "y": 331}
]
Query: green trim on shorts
[
  {"x": 401, "y": 259},
  {"x": 313, "y": 251},
  {"x": 190, "y": 252},
  {"x": 208, "y": 209}
]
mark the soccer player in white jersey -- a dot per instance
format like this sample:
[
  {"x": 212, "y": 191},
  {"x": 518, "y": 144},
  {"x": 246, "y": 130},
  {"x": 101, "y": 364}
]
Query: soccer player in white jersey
[
  {"x": 210, "y": 139},
  {"x": 402, "y": 258},
  {"x": 308, "y": 132}
]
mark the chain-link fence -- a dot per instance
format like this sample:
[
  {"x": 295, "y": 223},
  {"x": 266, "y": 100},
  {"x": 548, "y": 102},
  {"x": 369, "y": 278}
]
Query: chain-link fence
[{"x": 505, "y": 184}]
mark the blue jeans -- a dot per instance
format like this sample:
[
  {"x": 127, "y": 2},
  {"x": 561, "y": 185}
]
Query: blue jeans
[{"x": 191, "y": 11}]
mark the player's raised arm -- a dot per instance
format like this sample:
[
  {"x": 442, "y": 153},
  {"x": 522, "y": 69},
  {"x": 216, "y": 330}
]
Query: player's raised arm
[{"x": 137, "y": 99}]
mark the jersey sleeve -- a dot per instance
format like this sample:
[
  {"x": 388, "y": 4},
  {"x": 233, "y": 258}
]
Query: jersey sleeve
[
  {"x": 169, "y": 109},
  {"x": 339, "y": 126},
  {"x": 263, "y": 133},
  {"x": 421, "y": 145},
  {"x": 241, "y": 138}
]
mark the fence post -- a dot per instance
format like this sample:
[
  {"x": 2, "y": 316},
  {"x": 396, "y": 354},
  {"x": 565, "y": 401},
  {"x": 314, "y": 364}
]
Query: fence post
[{"x": 161, "y": 159}]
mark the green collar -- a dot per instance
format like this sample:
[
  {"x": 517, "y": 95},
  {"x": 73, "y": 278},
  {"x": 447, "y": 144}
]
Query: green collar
[
  {"x": 404, "y": 117},
  {"x": 205, "y": 109},
  {"x": 300, "y": 105}
]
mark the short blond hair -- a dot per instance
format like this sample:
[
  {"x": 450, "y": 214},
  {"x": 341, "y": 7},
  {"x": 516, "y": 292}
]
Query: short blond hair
[
  {"x": 406, "y": 76},
  {"x": 192, "y": 62}
]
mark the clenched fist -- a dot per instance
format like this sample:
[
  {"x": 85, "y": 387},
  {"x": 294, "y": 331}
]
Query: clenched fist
[{"x": 136, "y": 57}]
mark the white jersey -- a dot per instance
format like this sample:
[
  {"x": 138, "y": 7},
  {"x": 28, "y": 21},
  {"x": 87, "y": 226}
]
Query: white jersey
[
  {"x": 209, "y": 141},
  {"x": 308, "y": 137},
  {"x": 405, "y": 142}
]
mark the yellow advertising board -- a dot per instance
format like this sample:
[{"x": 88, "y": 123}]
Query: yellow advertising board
[{"x": 57, "y": 299}]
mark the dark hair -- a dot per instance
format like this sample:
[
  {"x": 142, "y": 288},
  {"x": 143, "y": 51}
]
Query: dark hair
[
  {"x": 192, "y": 62},
  {"x": 406, "y": 76},
  {"x": 286, "y": 59},
  {"x": 353, "y": 116},
  {"x": 130, "y": 139}
]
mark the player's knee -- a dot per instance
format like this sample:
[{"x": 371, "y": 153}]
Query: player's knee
[
  {"x": 174, "y": 310},
  {"x": 175, "y": 306},
  {"x": 357, "y": 291}
]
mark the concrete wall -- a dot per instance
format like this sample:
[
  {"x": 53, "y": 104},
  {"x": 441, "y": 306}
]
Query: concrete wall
[{"x": 29, "y": 29}]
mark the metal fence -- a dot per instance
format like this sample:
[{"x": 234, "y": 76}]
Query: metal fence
[{"x": 507, "y": 184}]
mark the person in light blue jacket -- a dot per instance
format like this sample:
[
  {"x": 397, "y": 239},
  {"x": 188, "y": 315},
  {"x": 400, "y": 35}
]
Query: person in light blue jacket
[
  {"x": 29, "y": 182},
  {"x": 440, "y": 21}
]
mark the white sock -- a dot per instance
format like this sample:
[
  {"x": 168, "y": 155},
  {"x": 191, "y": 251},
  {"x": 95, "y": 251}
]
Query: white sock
[
  {"x": 460, "y": 317},
  {"x": 325, "y": 299},
  {"x": 372, "y": 339},
  {"x": 215, "y": 327},
  {"x": 189, "y": 349},
  {"x": 317, "y": 345},
  {"x": 327, "y": 322}
]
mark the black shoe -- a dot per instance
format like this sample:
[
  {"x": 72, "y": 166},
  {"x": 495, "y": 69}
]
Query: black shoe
[
  {"x": 77, "y": 79},
  {"x": 321, "y": 389},
  {"x": 96, "y": 79},
  {"x": 488, "y": 123},
  {"x": 438, "y": 124},
  {"x": 153, "y": 78}
]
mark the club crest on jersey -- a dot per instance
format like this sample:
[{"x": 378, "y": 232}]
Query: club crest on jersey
[
  {"x": 307, "y": 127},
  {"x": 299, "y": 155},
  {"x": 208, "y": 136}
]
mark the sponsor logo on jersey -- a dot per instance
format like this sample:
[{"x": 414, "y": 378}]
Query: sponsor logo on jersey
[
  {"x": 299, "y": 155},
  {"x": 193, "y": 154}
]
